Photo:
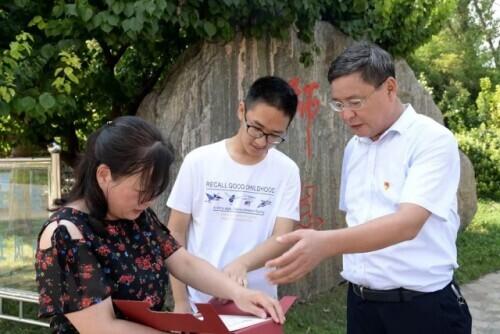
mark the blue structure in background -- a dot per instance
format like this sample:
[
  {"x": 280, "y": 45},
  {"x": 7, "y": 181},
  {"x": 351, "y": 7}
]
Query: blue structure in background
[{"x": 4, "y": 190}]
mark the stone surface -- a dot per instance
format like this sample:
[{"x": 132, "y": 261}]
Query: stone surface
[
  {"x": 197, "y": 102},
  {"x": 467, "y": 196}
]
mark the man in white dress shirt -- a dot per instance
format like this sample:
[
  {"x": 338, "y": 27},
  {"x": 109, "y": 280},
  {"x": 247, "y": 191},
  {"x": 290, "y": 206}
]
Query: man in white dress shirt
[{"x": 399, "y": 182}]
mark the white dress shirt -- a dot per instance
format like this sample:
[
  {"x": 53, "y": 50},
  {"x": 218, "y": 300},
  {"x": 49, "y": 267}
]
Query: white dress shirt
[{"x": 415, "y": 161}]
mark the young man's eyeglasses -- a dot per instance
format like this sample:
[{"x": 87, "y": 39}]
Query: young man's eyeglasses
[
  {"x": 353, "y": 104},
  {"x": 255, "y": 132}
]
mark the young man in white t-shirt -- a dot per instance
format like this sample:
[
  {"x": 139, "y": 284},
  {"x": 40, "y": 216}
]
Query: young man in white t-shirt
[{"x": 231, "y": 199}]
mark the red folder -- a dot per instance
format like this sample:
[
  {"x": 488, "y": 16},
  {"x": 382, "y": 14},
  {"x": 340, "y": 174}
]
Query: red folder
[{"x": 140, "y": 312}]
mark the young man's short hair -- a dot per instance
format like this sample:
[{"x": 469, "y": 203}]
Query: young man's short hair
[{"x": 274, "y": 92}]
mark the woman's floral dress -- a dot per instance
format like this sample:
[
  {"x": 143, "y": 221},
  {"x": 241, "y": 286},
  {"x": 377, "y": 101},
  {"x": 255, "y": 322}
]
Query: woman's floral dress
[{"x": 123, "y": 259}]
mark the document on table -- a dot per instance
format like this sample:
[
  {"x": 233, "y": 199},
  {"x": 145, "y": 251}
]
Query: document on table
[{"x": 235, "y": 322}]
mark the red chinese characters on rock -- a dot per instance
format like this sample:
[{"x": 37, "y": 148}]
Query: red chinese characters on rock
[
  {"x": 308, "y": 107},
  {"x": 307, "y": 217}
]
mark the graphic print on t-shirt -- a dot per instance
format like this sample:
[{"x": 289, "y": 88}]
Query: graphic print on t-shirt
[
  {"x": 238, "y": 200},
  {"x": 245, "y": 199},
  {"x": 213, "y": 197}
]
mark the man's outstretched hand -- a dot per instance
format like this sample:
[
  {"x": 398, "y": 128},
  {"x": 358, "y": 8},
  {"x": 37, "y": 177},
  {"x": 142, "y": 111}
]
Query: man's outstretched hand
[{"x": 309, "y": 249}]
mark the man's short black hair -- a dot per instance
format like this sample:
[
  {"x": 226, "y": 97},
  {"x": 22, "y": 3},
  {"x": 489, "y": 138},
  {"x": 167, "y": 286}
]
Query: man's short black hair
[
  {"x": 274, "y": 92},
  {"x": 371, "y": 61}
]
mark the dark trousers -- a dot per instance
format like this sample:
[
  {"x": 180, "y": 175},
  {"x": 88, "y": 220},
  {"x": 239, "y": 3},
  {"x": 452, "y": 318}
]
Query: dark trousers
[{"x": 439, "y": 312}]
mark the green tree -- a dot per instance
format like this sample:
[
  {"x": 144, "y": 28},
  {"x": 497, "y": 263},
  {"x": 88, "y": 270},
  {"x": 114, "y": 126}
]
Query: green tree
[
  {"x": 66, "y": 66},
  {"x": 454, "y": 61},
  {"x": 482, "y": 143},
  {"x": 460, "y": 66}
]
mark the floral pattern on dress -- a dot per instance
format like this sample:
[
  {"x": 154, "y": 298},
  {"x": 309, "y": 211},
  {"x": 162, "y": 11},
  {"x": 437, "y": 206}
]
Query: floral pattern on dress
[{"x": 125, "y": 260}]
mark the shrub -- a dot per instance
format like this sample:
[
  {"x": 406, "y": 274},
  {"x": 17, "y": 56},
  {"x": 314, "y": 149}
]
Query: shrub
[{"x": 482, "y": 143}]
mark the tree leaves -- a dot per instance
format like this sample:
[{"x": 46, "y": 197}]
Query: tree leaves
[
  {"x": 6, "y": 94},
  {"x": 85, "y": 58},
  {"x": 118, "y": 7},
  {"x": 458, "y": 69},
  {"x": 47, "y": 51},
  {"x": 47, "y": 101},
  {"x": 85, "y": 13},
  {"x": 210, "y": 29},
  {"x": 26, "y": 103}
]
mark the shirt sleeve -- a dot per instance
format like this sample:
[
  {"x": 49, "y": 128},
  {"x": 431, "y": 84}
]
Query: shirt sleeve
[
  {"x": 290, "y": 203},
  {"x": 167, "y": 242},
  {"x": 181, "y": 196},
  {"x": 69, "y": 276},
  {"x": 433, "y": 175}
]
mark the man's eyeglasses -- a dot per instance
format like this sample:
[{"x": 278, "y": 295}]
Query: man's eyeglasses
[
  {"x": 353, "y": 104},
  {"x": 255, "y": 132}
]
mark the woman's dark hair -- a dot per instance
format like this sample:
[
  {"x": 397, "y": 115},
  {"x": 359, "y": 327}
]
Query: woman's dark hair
[
  {"x": 371, "y": 61},
  {"x": 128, "y": 145}
]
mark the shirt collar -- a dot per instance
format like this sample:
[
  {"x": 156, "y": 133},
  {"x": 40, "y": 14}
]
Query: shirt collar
[{"x": 402, "y": 123}]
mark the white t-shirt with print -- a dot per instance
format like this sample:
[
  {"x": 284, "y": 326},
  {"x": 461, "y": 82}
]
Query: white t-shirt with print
[{"x": 233, "y": 206}]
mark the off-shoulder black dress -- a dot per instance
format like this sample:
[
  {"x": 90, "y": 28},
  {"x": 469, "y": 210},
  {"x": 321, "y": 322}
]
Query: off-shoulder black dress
[{"x": 123, "y": 259}]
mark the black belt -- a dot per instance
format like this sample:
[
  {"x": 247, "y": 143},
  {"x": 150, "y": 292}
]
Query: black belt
[{"x": 391, "y": 296}]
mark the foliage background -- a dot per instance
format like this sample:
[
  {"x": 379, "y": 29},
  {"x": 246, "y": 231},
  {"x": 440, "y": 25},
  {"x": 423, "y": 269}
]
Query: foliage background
[
  {"x": 67, "y": 66},
  {"x": 460, "y": 68}
]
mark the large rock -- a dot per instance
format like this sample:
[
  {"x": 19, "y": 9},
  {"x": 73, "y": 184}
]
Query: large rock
[
  {"x": 197, "y": 105},
  {"x": 467, "y": 196}
]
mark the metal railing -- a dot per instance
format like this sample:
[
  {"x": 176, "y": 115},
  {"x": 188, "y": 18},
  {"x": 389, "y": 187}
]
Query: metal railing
[{"x": 21, "y": 297}]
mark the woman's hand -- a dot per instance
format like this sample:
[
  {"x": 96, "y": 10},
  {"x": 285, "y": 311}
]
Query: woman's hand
[
  {"x": 259, "y": 304},
  {"x": 237, "y": 272},
  {"x": 203, "y": 276}
]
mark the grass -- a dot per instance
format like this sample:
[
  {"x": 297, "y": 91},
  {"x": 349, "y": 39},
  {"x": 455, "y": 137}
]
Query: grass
[
  {"x": 479, "y": 245},
  {"x": 30, "y": 310},
  {"x": 322, "y": 314},
  {"x": 478, "y": 254}
]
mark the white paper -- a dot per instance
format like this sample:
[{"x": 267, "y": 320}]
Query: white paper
[{"x": 235, "y": 322}]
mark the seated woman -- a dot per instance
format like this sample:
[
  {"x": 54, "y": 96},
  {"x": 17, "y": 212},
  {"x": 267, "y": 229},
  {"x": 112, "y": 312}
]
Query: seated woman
[{"x": 104, "y": 241}]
